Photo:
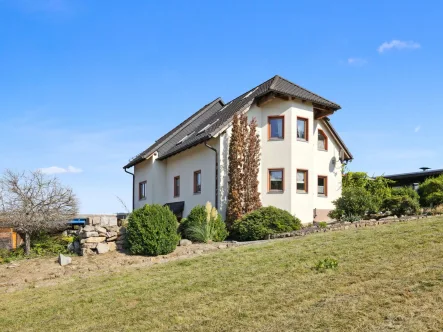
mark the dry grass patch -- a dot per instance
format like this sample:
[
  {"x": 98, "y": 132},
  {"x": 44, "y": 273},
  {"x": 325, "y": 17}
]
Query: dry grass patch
[{"x": 388, "y": 278}]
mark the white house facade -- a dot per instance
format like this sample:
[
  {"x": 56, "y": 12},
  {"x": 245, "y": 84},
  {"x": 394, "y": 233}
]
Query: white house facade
[{"x": 301, "y": 154}]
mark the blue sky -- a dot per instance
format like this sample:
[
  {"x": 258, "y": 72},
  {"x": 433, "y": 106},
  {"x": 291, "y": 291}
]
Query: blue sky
[{"x": 86, "y": 85}]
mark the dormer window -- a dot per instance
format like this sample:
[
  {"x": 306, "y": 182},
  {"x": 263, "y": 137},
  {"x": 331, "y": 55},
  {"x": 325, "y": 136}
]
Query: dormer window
[{"x": 322, "y": 143}]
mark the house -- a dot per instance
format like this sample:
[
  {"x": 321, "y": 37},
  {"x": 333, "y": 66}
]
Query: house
[
  {"x": 301, "y": 154},
  {"x": 413, "y": 179}
]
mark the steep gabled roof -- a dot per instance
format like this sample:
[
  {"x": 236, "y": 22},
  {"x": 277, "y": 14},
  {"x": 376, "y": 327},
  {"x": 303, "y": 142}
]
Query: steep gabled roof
[{"x": 216, "y": 115}]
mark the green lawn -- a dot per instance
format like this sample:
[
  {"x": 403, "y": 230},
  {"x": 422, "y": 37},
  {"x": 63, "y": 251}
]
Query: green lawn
[{"x": 389, "y": 278}]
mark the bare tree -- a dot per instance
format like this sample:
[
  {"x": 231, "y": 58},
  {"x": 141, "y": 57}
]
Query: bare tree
[{"x": 31, "y": 202}]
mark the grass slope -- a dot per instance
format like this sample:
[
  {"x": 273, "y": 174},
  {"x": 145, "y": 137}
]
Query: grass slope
[{"x": 389, "y": 278}]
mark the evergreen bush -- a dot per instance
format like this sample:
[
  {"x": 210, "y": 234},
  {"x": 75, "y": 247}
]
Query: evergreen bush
[
  {"x": 152, "y": 230},
  {"x": 265, "y": 221}
]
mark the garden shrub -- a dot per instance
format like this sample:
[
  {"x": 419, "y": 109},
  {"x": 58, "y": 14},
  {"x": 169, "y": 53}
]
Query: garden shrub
[
  {"x": 322, "y": 224},
  {"x": 431, "y": 192},
  {"x": 355, "y": 202},
  {"x": 350, "y": 218},
  {"x": 260, "y": 223},
  {"x": 378, "y": 188},
  {"x": 42, "y": 244},
  {"x": 401, "y": 205},
  {"x": 405, "y": 191},
  {"x": 152, "y": 230},
  {"x": 203, "y": 224}
]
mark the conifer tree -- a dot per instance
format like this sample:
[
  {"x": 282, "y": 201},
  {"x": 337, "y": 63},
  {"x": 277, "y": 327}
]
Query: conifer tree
[
  {"x": 251, "y": 168},
  {"x": 244, "y": 162},
  {"x": 235, "y": 206}
]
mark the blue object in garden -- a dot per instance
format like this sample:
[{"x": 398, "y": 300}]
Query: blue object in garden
[{"x": 77, "y": 222}]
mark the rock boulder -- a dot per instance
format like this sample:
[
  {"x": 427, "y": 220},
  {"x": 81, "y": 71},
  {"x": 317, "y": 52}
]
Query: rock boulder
[
  {"x": 185, "y": 242},
  {"x": 64, "y": 260},
  {"x": 102, "y": 248}
]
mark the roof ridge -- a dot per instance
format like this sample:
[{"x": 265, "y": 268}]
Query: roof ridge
[
  {"x": 274, "y": 81},
  {"x": 299, "y": 86},
  {"x": 255, "y": 87}
]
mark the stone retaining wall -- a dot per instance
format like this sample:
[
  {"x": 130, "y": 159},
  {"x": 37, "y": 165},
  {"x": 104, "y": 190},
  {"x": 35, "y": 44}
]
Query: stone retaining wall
[
  {"x": 98, "y": 239},
  {"x": 99, "y": 219},
  {"x": 342, "y": 226}
]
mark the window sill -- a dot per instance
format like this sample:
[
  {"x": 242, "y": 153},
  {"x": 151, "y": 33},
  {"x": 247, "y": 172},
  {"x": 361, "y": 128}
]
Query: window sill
[
  {"x": 276, "y": 139},
  {"x": 302, "y": 192},
  {"x": 276, "y": 191},
  {"x": 324, "y": 150},
  {"x": 177, "y": 196},
  {"x": 198, "y": 193},
  {"x": 324, "y": 196},
  {"x": 302, "y": 140},
  {"x": 142, "y": 199}
]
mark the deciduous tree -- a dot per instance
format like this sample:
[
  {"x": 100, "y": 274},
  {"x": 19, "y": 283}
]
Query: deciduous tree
[{"x": 31, "y": 202}]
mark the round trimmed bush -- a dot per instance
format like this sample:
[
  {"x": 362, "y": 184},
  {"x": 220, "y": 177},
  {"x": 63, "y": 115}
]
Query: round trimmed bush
[
  {"x": 203, "y": 224},
  {"x": 265, "y": 221},
  {"x": 152, "y": 230}
]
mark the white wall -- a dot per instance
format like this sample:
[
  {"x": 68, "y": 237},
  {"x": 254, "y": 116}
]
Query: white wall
[
  {"x": 290, "y": 154},
  {"x": 184, "y": 165},
  {"x": 324, "y": 166},
  {"x": 152, "y": 171}
]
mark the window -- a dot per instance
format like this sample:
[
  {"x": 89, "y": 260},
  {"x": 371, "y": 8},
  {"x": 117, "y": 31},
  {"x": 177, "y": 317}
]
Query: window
[
  {"x": 276, "y": 128},
  {"x": 276, "y": 180},
  {"x": 176, "y": 186},
  {"x": 197, "y": 182},
  {"x": 322, "y": 140},
  {"x": 302, "y": 181},
  {"x": 142, "y": 190},
  {"x": 302, "y": 128},
  {"x": 322, "y": 186}
]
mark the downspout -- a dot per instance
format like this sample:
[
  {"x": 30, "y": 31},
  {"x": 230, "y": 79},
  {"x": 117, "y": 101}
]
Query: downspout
[
  {"x": 216, "y": 173},
  {"x": 133, "y": 185}
]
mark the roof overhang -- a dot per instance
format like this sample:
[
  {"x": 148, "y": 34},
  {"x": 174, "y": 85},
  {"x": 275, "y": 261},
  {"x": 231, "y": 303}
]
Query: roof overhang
[
  {"x": 320, "y": 111},
  {"x": 138, "y": 160},
  {"x": 347, "y": 153}
]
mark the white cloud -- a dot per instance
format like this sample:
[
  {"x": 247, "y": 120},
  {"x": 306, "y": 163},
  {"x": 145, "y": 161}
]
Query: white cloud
[
  {"x": 417, "y": 129},
  {"x": 357, "y": 61},
  {"x": 60, "y": 170},
  {"x": 398, "y": 44}
]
